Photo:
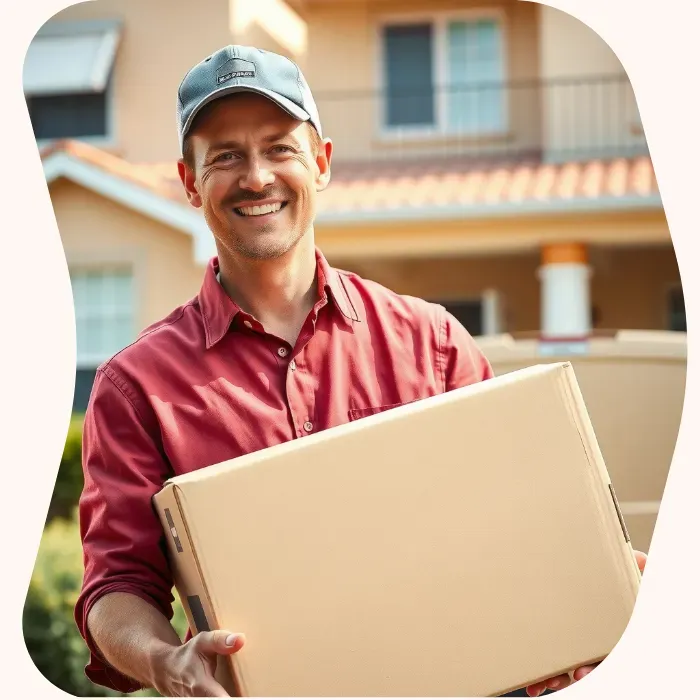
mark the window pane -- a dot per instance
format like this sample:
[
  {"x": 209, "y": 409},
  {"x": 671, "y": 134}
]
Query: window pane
[
  {"x": 81, "y": 331},
  {"x": 78, "y": 286},
  {"x": 93, "y": 340},
  {"x": 121, "y": 332},
  {"x": 476, "y": 74},
  {"x": 470, "y": 313},
  {"x": 408, "y": 68},
  {"x": 104, "y": 309},
  {"x": 68, "y": 116},
  {"x": 123, "y": 291}
]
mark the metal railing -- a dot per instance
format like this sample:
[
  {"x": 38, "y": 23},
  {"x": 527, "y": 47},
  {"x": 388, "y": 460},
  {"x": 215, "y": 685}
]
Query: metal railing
[{"x": 586, "y": 117}]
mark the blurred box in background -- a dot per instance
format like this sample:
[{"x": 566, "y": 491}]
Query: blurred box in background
[{"x": 633, "y": 383}]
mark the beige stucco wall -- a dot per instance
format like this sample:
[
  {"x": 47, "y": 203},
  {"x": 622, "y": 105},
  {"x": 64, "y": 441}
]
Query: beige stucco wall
[
  {"x": 95, "y": 231},
  {"x": 343, "y": 68},
  {"x": 415, "y": 238},
  {"x": 581, "y": 115},
  {"x": 630, "y": 286}
]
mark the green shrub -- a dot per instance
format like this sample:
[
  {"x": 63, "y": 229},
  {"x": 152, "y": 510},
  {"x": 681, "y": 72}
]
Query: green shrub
[
  {"x": 69, "y": 482},
  {"x": 50, "y": 632}
]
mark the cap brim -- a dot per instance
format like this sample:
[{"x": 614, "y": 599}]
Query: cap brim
[{"x": 286, "y": 104}]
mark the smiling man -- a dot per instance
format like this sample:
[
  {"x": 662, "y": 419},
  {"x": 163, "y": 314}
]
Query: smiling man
[{"x": 277, "y": 345}]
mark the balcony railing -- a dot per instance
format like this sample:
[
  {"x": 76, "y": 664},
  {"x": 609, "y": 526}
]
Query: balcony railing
[{"x": 592, "y": 117}]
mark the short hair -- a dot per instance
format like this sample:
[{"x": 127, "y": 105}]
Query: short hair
[{"x": 314, "y": 138}]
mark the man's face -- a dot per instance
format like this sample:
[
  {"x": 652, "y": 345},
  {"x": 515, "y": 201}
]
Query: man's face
[{"x": 255, "y": 174}]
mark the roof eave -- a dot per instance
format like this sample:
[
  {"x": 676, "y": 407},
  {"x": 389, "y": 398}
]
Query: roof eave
[
  {"x": 572, "y": 206},
  {"x": 131, "y": 195}
]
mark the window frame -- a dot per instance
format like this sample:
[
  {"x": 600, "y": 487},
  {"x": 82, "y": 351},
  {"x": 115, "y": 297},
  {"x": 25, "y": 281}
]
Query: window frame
[{"x": 438, "y": 21}]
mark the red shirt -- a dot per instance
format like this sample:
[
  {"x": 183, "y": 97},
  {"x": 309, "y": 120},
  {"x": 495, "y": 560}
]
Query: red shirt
[{"x": 207, "y": 384}]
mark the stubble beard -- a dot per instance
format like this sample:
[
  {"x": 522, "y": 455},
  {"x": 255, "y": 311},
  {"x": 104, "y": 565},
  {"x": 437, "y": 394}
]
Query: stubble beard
[
  {"x": 263, "y": 248},
  {"x": 260, "y": 246}
]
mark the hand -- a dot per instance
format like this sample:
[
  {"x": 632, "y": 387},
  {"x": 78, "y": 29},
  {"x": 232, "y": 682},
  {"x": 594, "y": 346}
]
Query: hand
[
  {"x": 188, "y": 670},
  {"x": 559, "y": 682}
]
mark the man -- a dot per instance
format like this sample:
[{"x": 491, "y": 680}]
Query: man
[{"x": 277, "y": 345}]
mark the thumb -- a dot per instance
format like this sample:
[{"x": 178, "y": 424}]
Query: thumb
[{"x": 219, "y": 642}]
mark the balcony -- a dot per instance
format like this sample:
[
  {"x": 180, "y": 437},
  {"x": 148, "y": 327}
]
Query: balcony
[{"x": 558, "y": 120}]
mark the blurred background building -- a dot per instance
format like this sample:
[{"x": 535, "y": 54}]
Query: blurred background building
[{"x": 489, "y": 155}]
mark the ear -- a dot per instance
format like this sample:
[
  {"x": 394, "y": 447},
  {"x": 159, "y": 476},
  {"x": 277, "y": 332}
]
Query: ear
[
  {"x": 323, "y": 164},
  {"x": 189, "y": 182}
]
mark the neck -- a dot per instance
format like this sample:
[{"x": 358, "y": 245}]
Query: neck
[{"x": 280, "y": 292}]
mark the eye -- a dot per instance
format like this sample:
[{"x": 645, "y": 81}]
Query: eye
[
  {"x": 282, "y": 149},
  {"x": 224, "y": 157}
]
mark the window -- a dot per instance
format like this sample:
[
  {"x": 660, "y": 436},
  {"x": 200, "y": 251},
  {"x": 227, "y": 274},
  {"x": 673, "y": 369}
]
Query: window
[
  {"x": 409, "y": 79},
  {"x": 469, "y": 313},
  {"x": 104, "y": 313},
  {"x": 67, "y": 80},
  {"x": 484, "y": 315},
  {"x": 676, "y": 310},
  {"x": 69, "y": 116},
  {"x": 446, "y": 74}
]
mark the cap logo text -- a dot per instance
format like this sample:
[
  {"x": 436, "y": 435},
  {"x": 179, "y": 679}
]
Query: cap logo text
[{"x": 235, "y": 68}]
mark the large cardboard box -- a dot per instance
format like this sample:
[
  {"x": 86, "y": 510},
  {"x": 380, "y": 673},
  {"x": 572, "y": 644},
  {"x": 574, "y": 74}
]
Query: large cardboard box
[{"x": 466, "y": 544}]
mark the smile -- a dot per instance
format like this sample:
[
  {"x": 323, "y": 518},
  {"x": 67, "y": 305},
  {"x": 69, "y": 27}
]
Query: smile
[{"x": 261, "y": 210}]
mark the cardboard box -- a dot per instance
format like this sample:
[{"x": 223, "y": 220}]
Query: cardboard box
[{"x": 463, "y": 545}]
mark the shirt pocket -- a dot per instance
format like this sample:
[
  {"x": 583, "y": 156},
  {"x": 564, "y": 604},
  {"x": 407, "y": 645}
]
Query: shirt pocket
[{"x": 358, "y": 413}]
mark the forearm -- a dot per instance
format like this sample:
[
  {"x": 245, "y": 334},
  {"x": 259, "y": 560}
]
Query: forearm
[{"x": 132, "y": 636}]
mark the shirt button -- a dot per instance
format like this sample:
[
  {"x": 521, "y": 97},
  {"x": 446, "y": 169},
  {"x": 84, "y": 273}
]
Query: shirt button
[
  {"x": 282, "y": 352},
  {"x": 292, "y": 365},
  {"x": 308, "y": 426}
]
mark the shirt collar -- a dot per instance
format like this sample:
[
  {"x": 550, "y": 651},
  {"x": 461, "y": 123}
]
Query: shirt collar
[{"x": 219, "y": 310}]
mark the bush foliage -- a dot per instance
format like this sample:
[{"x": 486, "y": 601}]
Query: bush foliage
[
  {"x": 69, "y": 483},
  {"x": 50, "y": 632}
]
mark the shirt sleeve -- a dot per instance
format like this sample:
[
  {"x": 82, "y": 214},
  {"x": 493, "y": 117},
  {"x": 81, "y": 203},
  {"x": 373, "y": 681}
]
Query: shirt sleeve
[
  {"x": 123, "y": 540},
  {"x": 463, "y": 362}
]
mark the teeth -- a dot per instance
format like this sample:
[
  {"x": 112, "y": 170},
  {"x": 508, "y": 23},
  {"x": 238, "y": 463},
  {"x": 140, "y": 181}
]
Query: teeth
[{"x": 259, "y": 211}]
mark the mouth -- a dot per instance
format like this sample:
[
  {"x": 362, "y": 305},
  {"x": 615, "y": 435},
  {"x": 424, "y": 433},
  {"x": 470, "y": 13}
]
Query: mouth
[{"x": 260, "y": 209}]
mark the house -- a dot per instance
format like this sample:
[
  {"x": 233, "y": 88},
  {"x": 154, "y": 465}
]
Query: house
[{"x": 489, "y": 155}]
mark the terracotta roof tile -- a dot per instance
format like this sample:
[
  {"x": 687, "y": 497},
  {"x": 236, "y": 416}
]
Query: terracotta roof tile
[{"x": 363, "y": 187}]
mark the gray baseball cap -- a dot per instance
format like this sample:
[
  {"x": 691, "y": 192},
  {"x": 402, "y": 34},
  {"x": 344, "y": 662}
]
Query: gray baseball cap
[{"x": 235, "y": 69}]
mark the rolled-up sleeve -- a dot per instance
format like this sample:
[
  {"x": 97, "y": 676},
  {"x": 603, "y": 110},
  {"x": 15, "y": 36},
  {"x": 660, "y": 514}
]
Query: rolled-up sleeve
[
  {"x": 123, "y": 542},
  {"x": 463, "y": 361}
]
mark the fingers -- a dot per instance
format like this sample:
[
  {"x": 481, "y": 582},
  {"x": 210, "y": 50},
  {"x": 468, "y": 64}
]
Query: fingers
[
  {"x": 219, "y": 642},
  {"x": 641, "y": 560},
  {"x": 556, "y": 683},
  {"x": 535, "y": 690},
  {"x": 579, "y": 673}
]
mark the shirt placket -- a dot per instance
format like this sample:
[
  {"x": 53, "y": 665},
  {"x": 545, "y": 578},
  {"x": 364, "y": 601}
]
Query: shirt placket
[{"x": 300, "y": 384}]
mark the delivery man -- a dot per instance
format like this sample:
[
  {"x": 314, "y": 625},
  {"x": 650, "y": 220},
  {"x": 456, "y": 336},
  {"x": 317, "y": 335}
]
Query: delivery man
[{"x": 277, "y": 345}]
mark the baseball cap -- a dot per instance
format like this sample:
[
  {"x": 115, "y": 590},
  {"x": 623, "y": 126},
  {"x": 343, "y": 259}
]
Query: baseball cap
[{"x": 234, "y": 69}]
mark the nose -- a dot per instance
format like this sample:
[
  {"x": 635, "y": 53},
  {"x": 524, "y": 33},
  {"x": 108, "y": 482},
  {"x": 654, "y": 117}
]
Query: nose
[{"x": 256, "y": 177}]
